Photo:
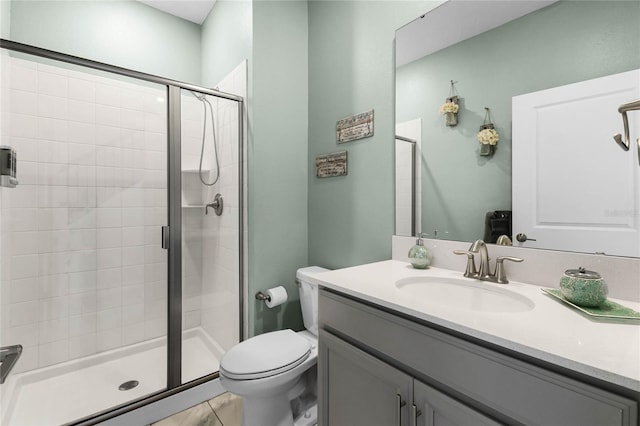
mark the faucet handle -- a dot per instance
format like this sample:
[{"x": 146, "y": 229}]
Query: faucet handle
[
  {"x": 471, "y": 271},
  {"x": 501, "y": 275}
]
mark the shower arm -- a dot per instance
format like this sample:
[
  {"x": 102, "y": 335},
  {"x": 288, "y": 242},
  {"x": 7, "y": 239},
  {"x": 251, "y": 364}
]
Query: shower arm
[{"x": 623, "y": 109}]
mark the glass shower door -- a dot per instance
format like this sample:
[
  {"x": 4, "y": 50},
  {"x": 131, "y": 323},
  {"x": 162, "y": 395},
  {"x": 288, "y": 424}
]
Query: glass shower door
[
  {"x": 84, "y": 278},
  {"x": 210, "y": 169}
]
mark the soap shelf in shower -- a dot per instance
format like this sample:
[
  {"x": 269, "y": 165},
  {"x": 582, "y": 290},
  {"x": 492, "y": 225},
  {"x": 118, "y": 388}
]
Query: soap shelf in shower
[{"x": 194, "y": 170}]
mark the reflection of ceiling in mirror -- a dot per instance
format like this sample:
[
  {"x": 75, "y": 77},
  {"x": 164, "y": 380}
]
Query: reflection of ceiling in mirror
[
  {"x": 440, "y": 31},
  {"x": 590, "y": 40},
  {"x": 192, "y": 10}
]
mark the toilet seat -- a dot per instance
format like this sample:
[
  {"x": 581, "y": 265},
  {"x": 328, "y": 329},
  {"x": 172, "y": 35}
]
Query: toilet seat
[{"x": 265, "y": 355}]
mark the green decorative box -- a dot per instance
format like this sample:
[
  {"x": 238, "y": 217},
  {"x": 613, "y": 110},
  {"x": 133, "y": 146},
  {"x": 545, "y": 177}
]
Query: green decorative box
[{"x": 584, "y": 288}]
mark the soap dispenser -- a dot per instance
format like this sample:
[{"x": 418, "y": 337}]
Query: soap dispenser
[{"x": 420, "y": 256}]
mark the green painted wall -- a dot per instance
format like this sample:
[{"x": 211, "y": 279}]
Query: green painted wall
[
  {"x": 5, "y": 19},
  {"x": 588, "y": 40},
  {"x": 278, "y": 123},
  {"x": 351, "y": 70},
  {"x": 119, "y": 32},
  {"x": 226, "y": 39},
  {"x": 272, "y": 35}
]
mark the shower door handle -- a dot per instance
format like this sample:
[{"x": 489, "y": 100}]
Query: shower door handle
[{"x": 165, "y": 237}]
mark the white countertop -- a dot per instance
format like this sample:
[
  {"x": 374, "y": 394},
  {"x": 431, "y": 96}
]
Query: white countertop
[{"x": 552, "y": 331}]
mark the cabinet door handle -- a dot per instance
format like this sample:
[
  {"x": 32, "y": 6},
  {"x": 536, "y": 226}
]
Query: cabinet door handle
[
  {"x": 399, "y": 404},
  {"x": 415, "y": 413}
]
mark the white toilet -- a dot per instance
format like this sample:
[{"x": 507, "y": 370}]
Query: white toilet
[{"x": 275, "y": 372}]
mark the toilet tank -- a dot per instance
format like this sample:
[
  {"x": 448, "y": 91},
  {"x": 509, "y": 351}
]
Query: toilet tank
[{"x": 309, "y": 297}]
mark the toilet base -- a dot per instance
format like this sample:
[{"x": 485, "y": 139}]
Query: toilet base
[
  {"x": 276, "y": 412},
  {"x": 300, "y": 401},
  {"x": 308, "y": 418},
  {"x": 267, "y": 411}
]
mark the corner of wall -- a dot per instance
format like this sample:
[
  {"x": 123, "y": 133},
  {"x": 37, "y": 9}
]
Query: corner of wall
[{"x": 278, "y": 222}]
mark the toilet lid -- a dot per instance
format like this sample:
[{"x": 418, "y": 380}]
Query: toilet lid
[{"x": 265, "y": 355}]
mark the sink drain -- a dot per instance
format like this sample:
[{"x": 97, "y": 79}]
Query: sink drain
[{"x": 128, "y": 385}]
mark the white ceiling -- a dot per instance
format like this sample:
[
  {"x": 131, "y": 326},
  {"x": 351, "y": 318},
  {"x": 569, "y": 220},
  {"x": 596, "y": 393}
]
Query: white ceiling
[
  {"x": 454, "y": 21},
  {"x": 191, "y": 10}
]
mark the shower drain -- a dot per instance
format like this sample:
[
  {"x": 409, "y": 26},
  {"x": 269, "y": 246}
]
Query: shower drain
[{"x": 128, "y": 385}]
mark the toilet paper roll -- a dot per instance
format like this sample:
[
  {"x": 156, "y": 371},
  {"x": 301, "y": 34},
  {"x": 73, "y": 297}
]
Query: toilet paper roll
[{"x": 277, "y": 296}]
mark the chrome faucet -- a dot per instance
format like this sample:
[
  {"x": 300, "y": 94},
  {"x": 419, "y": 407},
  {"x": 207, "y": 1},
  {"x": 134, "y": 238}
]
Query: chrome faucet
[
  {"x": 483, "y": 274},
  {"x": 479, "y": 246}
]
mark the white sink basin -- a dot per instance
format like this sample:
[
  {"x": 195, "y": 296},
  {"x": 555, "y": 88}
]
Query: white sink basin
[{"x": 466, "y": 294}]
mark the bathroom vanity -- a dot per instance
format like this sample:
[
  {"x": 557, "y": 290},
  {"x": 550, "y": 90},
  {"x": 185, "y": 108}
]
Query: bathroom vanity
[{"x": 391, "y": 354}]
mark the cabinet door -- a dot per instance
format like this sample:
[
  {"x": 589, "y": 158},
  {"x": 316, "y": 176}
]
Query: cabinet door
[
  {"x": 433, "y": 408},
  {"x": 358, "y": 389}
]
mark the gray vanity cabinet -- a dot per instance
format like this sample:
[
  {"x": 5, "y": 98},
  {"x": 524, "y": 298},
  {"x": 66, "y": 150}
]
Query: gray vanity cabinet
[
  {"x": 363, "y": 390},
  {"x": 376, "y": 367},
  {"x": 433, "y": 408}
]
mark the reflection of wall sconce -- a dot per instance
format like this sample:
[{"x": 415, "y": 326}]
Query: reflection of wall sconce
[
  {"x": 450, "y": 107},
  {"x": 487, "y": 136}
]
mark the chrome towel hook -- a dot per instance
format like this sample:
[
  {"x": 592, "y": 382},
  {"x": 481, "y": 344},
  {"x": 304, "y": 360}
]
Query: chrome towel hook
[{"x": 626, "y": 143}]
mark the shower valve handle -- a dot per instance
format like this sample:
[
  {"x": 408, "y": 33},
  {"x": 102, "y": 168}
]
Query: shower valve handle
[{"x": 216, "y": 205}]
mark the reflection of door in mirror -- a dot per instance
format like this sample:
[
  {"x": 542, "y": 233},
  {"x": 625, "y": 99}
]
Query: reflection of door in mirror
[
  {"x": 407, "y": 177},
  {"x": 588, "y": 196},
  {"x": 494, "y": 51}
]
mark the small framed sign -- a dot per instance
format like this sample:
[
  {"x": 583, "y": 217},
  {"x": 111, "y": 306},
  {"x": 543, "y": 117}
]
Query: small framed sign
[
  {"x": 330, "y": 165},
  {"x": 355, "y": 127}
]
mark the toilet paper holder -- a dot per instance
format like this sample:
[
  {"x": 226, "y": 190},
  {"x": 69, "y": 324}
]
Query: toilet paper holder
[
  {"x": 261, "y": 296},
  {"x": 273, "y": 297}
]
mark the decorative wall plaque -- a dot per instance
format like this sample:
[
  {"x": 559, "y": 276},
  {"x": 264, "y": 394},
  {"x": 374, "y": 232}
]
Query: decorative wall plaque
[
  {"x": 355, "y": 127},
  {"x": 329, "y": 165}
]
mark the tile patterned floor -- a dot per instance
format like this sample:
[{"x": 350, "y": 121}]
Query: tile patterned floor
[{"x": 223, "y": 410}]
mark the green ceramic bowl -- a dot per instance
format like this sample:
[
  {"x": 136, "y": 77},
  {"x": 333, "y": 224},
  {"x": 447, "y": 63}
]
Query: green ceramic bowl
[{"x": 584, "y": 288}]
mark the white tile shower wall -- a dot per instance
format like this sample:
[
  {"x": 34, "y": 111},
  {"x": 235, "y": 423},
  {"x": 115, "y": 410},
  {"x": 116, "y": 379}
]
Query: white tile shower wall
[
  {"x": 210, "y": 243},
  {"x": 220, "y": 283},
  {"x": 193, "y": 207},
  {"x": 82, "y": 270}
]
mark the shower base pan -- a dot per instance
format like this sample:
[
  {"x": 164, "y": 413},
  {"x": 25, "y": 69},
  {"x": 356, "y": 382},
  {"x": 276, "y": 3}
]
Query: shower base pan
[{"x": 68, "y": 391}]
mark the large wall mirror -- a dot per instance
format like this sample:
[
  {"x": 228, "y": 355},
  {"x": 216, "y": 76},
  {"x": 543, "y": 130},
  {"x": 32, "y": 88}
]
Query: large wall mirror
[{"x": 549, "y": 77}]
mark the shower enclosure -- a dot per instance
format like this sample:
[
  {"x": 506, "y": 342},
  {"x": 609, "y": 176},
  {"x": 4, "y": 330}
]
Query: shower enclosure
[{"x": 122, "y": 243}]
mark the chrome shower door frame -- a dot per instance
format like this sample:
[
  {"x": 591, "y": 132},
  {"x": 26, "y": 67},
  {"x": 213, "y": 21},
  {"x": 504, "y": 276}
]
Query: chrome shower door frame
[{"x": 173, "y": 240}]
